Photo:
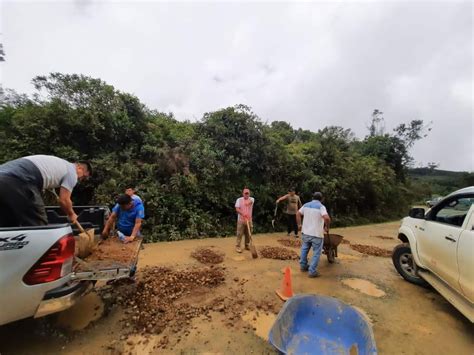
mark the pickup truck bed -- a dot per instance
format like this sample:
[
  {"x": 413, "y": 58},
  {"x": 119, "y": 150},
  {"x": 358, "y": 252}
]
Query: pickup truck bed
[{"x": 110, "y": 259}]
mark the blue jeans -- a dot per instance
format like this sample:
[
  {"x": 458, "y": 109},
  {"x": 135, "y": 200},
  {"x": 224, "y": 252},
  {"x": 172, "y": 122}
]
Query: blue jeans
[{"x": 308, "y": 241}]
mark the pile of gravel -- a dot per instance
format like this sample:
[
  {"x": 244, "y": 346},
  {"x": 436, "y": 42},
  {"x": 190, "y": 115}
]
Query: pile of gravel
[
  {"x": 277, "y": 253},
  {"x": 208, "y": 256},
  {"x": 371, "y": 250}
]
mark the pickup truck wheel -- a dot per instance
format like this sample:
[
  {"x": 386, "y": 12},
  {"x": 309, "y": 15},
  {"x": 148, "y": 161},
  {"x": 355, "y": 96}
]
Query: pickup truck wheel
[{"x": 403, "y": 261}]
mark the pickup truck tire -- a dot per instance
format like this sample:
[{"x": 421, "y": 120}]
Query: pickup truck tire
[{"x": 403, "y": 261}]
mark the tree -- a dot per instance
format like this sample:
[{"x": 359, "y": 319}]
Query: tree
[
  {"x": 190, "y": 173},
  {"x": 412, "y": 132},
  {"x": 2, "y": 53},
  {"x": 377, "y": 124}
]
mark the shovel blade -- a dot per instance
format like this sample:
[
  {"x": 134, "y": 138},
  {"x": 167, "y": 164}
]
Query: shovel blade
[
  {"x": 86, "y": 243},
  {"x": 253, "y": 250}
]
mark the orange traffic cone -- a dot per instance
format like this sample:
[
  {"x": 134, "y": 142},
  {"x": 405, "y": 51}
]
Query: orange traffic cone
[{"x": 286, "y": 291}]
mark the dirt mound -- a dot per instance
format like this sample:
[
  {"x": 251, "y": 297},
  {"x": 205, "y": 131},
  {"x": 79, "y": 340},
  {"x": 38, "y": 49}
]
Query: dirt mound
[
  {"x": 113, "y": 249},
  {"x": 277, "y": 253},
  {"x": 293, "y": 243},
  {"x": 165, "y": 301},
  {"x": 151, "y": 304},
  {"x": 207, "y": 256},
  {"x": 371, "y": 250},
  {"x": 381, "y": 237}
]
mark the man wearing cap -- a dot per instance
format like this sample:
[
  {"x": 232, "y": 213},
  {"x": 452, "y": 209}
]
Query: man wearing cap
[
  {"x": 22, "y": 180},
  {"x": 293, "y": 203},
  {"x": 315, "y": 221},
  {"x": 244, "y": 206}
]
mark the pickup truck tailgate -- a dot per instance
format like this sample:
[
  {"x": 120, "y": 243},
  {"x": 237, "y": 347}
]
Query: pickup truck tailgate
[{"x": 110, "y": 259}]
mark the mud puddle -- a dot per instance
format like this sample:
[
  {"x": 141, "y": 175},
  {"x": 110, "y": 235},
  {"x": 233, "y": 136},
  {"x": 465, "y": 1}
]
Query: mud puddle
[
  {"x": 348, "y": 257},
  {"x": 238, "y": 258},
  {"x": 90, "y": 308},
  {"x": 261, "y": 322},
  {"x": 364, "y": 286}
]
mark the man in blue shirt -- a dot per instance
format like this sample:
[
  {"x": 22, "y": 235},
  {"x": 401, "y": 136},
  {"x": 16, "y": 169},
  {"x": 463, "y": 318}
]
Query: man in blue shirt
[
  {"x": 130, "y": 191},
  {"x": 129, "y": 215}
]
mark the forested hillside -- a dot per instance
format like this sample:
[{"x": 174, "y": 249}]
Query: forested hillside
[
  {"x": 190, "y": 173},
  {"x": 439, "y": 182}
]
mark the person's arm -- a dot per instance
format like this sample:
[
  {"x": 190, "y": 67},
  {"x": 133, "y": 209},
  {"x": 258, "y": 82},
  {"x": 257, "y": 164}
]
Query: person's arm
[
  {"x": 298, "y": 220},
  {"x": 66, "y": 204},
  {"x": 299, "y": 203},
  {"x": 282, "y": 198},
  {"x": 108, "y": 224},
  {"x": 239, "y": 211},
  {"x": 136, "y": 229},
  {"x": 327, "y": 222}
]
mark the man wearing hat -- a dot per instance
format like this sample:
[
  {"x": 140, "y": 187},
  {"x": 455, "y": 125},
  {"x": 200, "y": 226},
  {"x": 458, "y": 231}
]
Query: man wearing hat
[
  {"x": 244, "y": 206},
  {"x": 315, "y": 221}
]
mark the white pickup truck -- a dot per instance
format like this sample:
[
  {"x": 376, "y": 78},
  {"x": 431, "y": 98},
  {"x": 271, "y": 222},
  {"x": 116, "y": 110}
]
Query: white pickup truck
[
  {"x": 438, "y": 249},
  {"x": 38, "y": 267}
]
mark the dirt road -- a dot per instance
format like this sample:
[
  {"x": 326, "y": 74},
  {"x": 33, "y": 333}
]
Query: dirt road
[{"x": 234, "y": 316}]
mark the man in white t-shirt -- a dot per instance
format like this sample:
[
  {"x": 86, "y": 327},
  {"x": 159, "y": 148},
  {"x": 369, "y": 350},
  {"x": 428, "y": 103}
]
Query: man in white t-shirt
[
  {"x": 315, "y": 221},
  {"x": 244, "y": 207},
  {"x": 23, "y": 179}
]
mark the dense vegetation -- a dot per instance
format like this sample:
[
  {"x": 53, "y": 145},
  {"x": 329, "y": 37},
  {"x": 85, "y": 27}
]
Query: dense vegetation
[
  {"x": 435, "y": 182},
  {"x": 190, "y": 173}
]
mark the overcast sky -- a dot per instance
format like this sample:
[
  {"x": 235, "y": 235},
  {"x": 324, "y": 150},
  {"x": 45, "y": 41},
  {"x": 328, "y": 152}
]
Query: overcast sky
[{"x": 311, "y": 64}]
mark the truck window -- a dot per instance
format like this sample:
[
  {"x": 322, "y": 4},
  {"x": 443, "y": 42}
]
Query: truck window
[{"x": 454, "y": 212}]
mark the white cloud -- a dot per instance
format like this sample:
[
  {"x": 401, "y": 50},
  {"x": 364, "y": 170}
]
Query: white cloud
[{"x": 312, "y": 64}]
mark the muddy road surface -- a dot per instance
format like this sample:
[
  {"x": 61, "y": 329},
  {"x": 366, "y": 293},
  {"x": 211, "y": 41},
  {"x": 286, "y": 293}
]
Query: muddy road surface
[{"x": 200, "y": 296}]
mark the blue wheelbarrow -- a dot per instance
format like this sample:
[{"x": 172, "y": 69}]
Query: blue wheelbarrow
[{"x": 311, "y": 324}]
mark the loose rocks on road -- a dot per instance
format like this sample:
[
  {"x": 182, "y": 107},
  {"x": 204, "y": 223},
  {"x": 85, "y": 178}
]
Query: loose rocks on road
[
  {"x": 207, "y": 256},
  {"x": 293, "y": 243},
  {"x": 371, "y": 250},
  {"x": 277, "y": 253}
]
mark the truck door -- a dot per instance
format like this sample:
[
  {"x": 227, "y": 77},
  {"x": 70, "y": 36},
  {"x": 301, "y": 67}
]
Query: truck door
[
  {"x": 438, "y": 242},
  {"x": 466, "y": 257}
]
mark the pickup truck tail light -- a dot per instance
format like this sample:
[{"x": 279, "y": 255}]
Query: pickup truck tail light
[{"x": 54, "y": 264}]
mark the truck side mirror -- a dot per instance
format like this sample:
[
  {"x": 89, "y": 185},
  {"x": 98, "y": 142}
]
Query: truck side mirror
[{"x": 418, "y": 213}]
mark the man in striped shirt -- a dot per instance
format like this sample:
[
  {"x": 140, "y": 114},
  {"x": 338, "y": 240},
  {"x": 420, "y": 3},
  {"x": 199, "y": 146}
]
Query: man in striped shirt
[{"x": 244, "y": 206}]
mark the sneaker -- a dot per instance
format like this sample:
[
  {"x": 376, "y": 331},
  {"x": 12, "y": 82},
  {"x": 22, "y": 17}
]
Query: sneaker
[
  {"x": 304, "y": 269},
  {"x": 315, "y": 274},
  {"x": 238, "y": 250},
  {"x": 288, "y": 235}
]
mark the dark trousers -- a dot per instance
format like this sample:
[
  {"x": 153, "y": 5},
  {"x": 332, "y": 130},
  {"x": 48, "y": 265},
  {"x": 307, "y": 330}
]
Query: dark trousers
[
  {"x": 21, "y": 204},
  {"x": 291, "y": 223}
]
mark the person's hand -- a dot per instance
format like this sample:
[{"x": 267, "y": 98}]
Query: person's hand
[
  {"x": 129, "y": 239},
  {"x": 299, "y": 227},
  {"x": 105, "y": 234},
  {"x": 73, "y": 218}
]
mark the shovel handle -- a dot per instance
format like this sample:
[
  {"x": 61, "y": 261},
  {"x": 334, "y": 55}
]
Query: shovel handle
[
  {"x": 79, "y": 226},
  {"x": 248, "y": 229}
]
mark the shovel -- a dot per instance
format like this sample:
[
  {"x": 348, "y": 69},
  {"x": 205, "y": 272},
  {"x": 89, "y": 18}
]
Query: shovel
[
  {"x": 274, "y": 216},
  {"x": 86, "y": 241},
  {"x": 253, "y": 250}
]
